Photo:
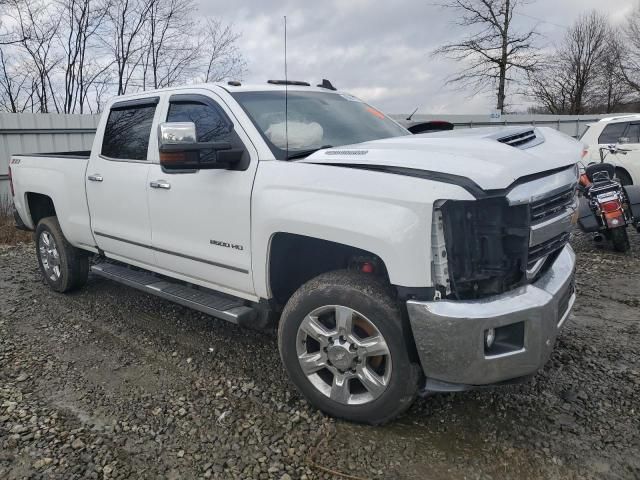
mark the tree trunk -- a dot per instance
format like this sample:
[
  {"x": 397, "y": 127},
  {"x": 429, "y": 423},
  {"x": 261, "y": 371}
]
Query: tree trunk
[{"x": 504, "y": 58}]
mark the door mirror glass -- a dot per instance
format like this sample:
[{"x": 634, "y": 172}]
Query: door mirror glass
[
  {"x": 180, "y": 150},
  {"x": 177, "y": 133}
]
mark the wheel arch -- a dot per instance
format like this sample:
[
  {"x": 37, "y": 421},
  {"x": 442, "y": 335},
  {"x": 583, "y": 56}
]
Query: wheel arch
[
  {"x": 624, "y": 171},
  {"x": 295, "y": 259},
  {"x": 39, "y": 206}
]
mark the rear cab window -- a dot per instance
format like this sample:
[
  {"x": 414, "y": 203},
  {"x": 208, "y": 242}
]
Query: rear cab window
[
  {"x": 128, "y": 129},
  {"x": 612, "y": 133}
]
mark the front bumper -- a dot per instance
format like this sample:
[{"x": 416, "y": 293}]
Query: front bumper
[{"x": 450, "y": 335}]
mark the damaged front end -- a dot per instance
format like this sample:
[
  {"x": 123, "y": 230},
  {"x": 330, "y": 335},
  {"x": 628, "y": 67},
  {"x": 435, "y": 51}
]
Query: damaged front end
[{"x": 493, "y": 245}]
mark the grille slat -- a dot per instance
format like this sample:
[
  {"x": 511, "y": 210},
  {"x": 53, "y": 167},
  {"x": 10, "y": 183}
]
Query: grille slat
[
  {"x": 546, "y": 248},
  {"x": 552, "y": 205}
]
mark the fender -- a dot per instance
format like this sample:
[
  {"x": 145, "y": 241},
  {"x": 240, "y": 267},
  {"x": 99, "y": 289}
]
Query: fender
[
  {"x": 387, "y": 215},
  {"x": 633, "y": 194},
  {"x": 64, "y": 183}
]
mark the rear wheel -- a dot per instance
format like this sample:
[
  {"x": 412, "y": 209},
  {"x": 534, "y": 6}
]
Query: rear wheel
[
  {"x": 620, "y": 239},
  {"x": 342, "y": 341},
  {"x": 64, "y": 267}
]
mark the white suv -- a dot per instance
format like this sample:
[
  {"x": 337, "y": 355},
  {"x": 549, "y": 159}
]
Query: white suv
[{"x": 622, "y": 131}]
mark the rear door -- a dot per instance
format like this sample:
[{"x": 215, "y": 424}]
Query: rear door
[
  {"x": 201, "y": 219},
  {"x": 117, "y": 182}
]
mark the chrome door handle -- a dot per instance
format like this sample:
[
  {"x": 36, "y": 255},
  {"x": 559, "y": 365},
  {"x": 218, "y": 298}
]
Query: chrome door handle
[
  {"x": 96, "y": 177},
  {"x": 160, "y": 184}
]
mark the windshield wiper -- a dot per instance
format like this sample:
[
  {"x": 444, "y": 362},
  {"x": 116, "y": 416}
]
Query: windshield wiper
[{"x": 306, "y": 153}]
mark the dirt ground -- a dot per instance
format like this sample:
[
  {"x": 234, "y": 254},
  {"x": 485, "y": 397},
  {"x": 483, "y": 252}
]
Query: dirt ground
[{"x": 112, "y": 383}]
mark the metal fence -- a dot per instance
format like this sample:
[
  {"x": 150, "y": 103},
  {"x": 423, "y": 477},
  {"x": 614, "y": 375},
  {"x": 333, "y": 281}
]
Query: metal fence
[
  {"x": 50, "y": 132},
  {"x": 573, "y": 125},
  {"x": 41, "y": 132}
]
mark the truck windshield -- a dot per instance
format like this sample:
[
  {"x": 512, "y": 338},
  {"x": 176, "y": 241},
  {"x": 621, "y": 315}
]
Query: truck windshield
[{"x": 315, "y": 120}]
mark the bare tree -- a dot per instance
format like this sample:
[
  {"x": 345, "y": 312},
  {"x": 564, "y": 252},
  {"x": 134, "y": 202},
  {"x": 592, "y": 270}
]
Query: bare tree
[
  {"x": 628, "y": 58},
  {"x": 611, "y": 90},
  {"x": 13, "y": 86},
  {"x": 172, "y": 50},
  {"x": 223, "y": 59},
  {"x": 494, "y": 53},
  {"x": 82, "y": 20},
  {"x": 37, "y": 31},
  {"x": 70, "y": 55},
  {"x": 127, "y": 19},
  {"x": 567, "y": 81}
]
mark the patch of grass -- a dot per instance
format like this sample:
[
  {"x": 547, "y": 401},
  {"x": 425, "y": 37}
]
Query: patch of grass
[{"x": 9, "y": 234}]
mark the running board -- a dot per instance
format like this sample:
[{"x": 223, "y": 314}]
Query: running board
[{"x": 215, "y": 304}]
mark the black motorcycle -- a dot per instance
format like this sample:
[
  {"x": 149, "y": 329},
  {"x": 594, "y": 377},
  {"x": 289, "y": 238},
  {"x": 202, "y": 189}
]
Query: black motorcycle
[{"x": 607, "y": 208}]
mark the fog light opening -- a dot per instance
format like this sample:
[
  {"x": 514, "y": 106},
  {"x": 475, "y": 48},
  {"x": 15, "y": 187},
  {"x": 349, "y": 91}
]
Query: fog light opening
[{"x": 489, "y": 338}]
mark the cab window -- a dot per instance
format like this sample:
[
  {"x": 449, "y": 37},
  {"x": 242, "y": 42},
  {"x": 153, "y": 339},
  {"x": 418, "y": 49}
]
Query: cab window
[
  {"x": 126, "y": 135},
  {"x": 212, "y": 124}
]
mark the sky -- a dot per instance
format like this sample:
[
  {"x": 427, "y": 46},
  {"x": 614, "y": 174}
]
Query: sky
[{"x": 378, "y": 50}]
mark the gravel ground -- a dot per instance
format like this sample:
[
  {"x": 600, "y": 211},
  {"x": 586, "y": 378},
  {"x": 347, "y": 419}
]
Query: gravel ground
[{"x": 112, "y": 383}]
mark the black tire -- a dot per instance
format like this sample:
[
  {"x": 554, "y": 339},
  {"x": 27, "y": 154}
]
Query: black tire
[
  {"x": 620, "y": 239},
  {"x": 73, "y": 262},
  {"x": 624, "y": 177},
  {"x": 372, "y": 298}
]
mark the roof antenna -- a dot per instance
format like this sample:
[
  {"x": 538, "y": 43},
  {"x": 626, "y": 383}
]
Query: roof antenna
[
  {"x": 286, "y": 94},
  {"x": 412, "y": 114}
]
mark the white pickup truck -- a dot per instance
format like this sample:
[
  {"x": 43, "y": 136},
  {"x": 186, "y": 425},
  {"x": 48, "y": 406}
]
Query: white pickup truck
[{"x": 395, "y": 264}]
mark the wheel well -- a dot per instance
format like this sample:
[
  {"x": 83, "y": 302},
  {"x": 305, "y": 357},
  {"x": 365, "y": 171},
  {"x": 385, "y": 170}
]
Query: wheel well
[
  {"x": 40, "y": 206},
  {"x": 624, "y": 172},
  {"x": 296, "y": 259}
]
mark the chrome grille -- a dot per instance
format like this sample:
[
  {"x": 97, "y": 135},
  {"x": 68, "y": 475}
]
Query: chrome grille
[
  {"x": 545, "y": 248},
  {"x": 552, "y": 205}
]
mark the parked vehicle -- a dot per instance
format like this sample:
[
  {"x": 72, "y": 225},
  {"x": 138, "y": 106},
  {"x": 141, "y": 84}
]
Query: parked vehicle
[
  {"x": 396, "y": 264},
  {"x": 606, "y": 208},
  {"x": 624, "y": 133}
]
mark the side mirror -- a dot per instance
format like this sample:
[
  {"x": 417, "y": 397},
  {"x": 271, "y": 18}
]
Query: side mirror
[{"x": 180, "y": 150}]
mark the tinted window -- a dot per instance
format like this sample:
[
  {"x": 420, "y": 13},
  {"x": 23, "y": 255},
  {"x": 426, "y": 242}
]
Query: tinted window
[
  {"x": 633, "y": 134},
  {"x": 212, "y": 125},
  {"x": 126, "y": 135},
  {"x": 612, "y": 133}
]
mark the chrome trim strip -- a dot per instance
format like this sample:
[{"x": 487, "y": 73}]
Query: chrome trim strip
[
  {"x": 182, "y": 255},
  {"x": 543, "y": 187},
  {"x": 566, "y": 314},
  {"x": 535, "y": 269},
  {"x": 551, "y": 228}
]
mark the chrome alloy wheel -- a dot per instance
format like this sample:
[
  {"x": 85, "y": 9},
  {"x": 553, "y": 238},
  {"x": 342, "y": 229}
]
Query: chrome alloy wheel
[
  {"x": 49, "y": 255},
  {"x": 343, "y": 355}
]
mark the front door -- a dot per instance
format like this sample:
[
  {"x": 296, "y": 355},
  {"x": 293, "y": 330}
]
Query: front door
[
  {"x": 117, "y": 180},
  {"x": 201, "y": 220}
]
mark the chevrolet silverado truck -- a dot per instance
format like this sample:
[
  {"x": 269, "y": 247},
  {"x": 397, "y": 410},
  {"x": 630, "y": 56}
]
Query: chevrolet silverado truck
[{"x": 394, "y": 264}]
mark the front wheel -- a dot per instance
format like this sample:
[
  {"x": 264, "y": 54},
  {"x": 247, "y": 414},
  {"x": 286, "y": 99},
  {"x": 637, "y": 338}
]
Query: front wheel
[
  {"x": 343, "y": 344},
  {"x": 620, "y": 239}
]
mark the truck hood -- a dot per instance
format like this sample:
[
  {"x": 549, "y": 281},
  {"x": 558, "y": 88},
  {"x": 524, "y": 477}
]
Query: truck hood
[{"x": 492, "y": 158}]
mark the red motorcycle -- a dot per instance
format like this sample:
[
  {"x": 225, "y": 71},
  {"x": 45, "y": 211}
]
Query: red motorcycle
[{"x": 607, "y": 208}]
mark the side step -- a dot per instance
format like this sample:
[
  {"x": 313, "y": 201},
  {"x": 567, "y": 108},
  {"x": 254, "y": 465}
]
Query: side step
[{"x": 215, "y": 304}]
